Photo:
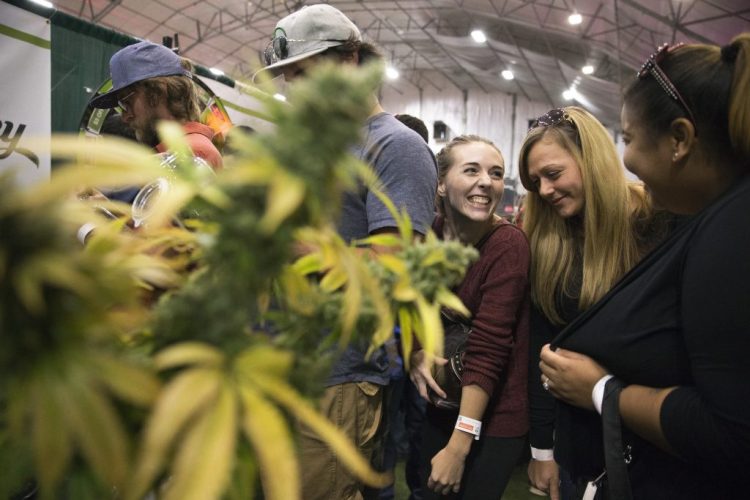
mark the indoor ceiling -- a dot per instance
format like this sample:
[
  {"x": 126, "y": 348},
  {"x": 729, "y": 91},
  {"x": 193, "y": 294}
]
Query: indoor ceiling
[{"x": 429, "y": 42}]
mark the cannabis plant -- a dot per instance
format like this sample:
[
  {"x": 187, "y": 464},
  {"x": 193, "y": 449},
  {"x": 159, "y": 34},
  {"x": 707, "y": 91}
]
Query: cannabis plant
[{"x": 175, "y": 359}]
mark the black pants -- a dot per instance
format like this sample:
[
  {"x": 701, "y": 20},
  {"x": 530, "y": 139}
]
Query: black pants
[{"x": 489, "y": 464}]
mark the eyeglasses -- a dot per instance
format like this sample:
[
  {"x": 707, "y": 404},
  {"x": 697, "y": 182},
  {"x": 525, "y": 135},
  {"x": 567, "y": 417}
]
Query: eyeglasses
[
  {"x": 551, "y": 118},
  {"x": 651, "y": 66},
  {"x": 278, "y": 48},
  {"x": 123, "y": 102}
]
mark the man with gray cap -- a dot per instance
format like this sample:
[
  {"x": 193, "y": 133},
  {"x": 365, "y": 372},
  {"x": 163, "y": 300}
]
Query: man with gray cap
[
  {"x": 149, "y": 84},
  {"x": 353, "y": 399}
]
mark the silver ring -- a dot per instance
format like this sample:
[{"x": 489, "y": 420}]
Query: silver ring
[{"x": 545, "y": 384}]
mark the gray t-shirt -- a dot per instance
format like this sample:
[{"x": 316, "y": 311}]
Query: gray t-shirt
[{"x": 407, "y": 170}]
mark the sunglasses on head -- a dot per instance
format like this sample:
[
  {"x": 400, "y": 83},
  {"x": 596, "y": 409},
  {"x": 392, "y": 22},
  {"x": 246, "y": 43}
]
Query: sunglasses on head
[
  {"x": 278, "y": 48},
  {"x": 551, "y": 118},
  {"x": 651, "y": 67}
]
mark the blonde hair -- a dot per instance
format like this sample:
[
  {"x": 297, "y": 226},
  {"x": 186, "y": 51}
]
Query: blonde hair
[{"x": 604, "y": 238}]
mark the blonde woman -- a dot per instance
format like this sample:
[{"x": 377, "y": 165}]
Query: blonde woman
[{"x": 587, "y": 226}]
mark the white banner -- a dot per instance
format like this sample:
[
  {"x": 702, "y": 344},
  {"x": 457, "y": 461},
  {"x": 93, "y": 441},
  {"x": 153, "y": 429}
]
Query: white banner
[{"x": 26, "y": 94}]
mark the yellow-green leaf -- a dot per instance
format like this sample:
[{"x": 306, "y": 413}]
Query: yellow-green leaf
[
  {"x": 204, "y": 461},
  {"x": 173, "y": 136},
  {"x": 407, "y": 338},
  {"x": 405, "y": 226},
  {"x": 310, "y": 263},
  {"x": 137, "y": 385},
  {"x": 335, "y": 438},
  {"x": 404, "y": 292},
  {"x": 333, "y": 280},
  {"x": 448, "y": 299},
  {"x": 393, "y": 264},
  {"x": 96, "y": 428},
  {"x": 264, "y": 359},
  {"x": 188, "y": 393},
  {"x": 189, "y": 353},
  {"x": 284, "y": 197},
  {"x": 268, "y": 431},
  {"x": 435, "y": 256},
  {"x": 51, "y": 441},
  {"x": 432, "y": 333},
  {"x": 383, "y": 240}
]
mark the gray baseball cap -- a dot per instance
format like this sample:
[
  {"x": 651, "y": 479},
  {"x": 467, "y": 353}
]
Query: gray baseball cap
[
  {"x": 138, "y": 62},
  {"x": 309, "y": 31}
]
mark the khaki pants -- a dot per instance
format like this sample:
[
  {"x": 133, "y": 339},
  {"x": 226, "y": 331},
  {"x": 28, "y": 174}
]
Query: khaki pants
[{"x": 356, "y": 409}]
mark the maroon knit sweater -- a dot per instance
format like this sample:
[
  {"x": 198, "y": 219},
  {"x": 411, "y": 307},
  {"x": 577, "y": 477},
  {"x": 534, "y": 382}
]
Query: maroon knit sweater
[{"x": 496, "y": 291}]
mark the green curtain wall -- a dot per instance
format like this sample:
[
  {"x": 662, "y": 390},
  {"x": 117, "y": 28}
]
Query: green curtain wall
[
  {"x": 80, "y": 64},
  {"x": 80, "y": 61}
]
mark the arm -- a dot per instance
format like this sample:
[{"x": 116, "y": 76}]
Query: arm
[
  {"x": 406, "y": 169},
  {"x": 448, "y": 464},
  {"x": 495, "y": 289},
  {"x": 542, "y": 470}
]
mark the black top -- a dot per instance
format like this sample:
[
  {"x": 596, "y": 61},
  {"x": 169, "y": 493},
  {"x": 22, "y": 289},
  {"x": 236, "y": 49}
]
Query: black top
[{"x": 679, "y": 318}]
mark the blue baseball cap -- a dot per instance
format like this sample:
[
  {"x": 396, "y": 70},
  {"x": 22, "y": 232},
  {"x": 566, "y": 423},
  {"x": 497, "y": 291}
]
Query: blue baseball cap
[{"x": 138, "y": 62}]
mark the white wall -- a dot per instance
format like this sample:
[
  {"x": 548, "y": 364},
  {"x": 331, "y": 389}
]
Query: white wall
[{"x": 503, "y": 118}]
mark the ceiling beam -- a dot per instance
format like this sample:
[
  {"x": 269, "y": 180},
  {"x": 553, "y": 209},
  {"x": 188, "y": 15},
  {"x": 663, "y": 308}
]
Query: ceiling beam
[
  {"x": 665, "y": 20},
  {"x": 106, "y": 10}
]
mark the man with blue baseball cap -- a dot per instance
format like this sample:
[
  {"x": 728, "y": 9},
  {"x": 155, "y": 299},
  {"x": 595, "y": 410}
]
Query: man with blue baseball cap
[{"x": 149, "y": 84}]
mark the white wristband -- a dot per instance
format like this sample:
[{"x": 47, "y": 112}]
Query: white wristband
[
  {"x": 84, "y": 231},
  {"x": 469, "y": 425},
  {"x": 542, "y": 455},
  {"x": 597, "y": 394}
]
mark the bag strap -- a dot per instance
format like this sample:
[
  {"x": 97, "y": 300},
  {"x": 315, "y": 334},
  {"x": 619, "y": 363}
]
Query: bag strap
[{"x": 614, "y": 457}]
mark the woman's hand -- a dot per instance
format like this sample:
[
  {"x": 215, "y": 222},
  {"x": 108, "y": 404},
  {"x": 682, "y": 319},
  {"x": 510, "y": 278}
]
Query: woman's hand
[
  {"x": 421, "y": 375},
  {"x": 570, "y": 376},
  {"x": 544, "y": 475},
  {"x": 447, "y": 470}
]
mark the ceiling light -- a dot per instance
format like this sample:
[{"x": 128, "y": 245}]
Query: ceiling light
[
  {"x": 575, "y": 19},
  {"x": 478, "y": 36},
  {"x": 587, "y": 70},
  {"x": 391, "y": 73},
  {"x": 44, "y": 3},
  {"x": 279, "y": 97},
  {"x": 568, "y": 94},
  {"x": 216, "y": 71},
  {"x": 507, "y": 74}
]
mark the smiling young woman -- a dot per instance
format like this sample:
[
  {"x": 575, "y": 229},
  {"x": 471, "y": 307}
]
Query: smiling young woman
[{"x": 471, "y": 454}]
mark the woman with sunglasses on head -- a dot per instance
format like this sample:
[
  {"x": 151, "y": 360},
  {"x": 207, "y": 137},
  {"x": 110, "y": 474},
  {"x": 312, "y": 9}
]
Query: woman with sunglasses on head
[
  {"x": 663, "y": 357},
  {"x": 470, "y": 453},
  {"x": 587, "y": 226}
]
